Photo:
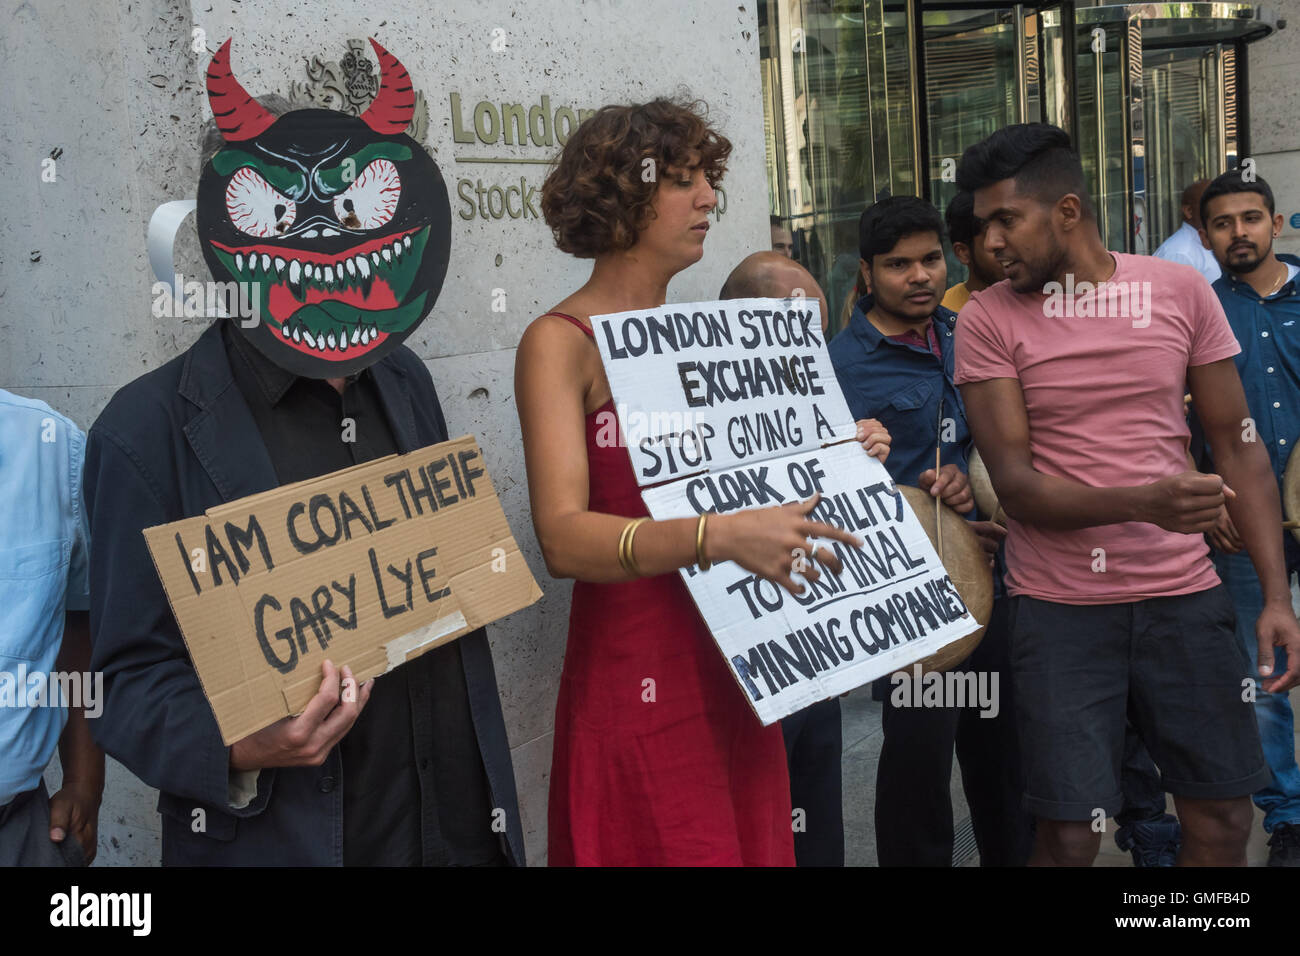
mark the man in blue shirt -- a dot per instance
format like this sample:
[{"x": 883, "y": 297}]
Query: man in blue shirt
[
  {"x": 44, "y": 642},
  {"x": 894, "y": 363},
  {"x": 1261, "y": 297}
]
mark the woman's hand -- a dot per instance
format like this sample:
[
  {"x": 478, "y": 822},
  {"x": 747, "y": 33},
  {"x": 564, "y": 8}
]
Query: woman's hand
[
  {"x": 774, "y": 542},
  {"x": 874, "y": 437}
]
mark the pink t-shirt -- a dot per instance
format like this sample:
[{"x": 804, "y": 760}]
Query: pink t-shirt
[{"x": 1103, "y": 376}]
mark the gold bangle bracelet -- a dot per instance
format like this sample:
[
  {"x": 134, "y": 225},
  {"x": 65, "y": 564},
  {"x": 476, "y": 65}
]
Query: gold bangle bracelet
[
  {"x": 632, "y": 533},
  {"x": 700, "y": 561},
  {"x": 627, "y": 558},
  {"x": 622, "y": 546}
]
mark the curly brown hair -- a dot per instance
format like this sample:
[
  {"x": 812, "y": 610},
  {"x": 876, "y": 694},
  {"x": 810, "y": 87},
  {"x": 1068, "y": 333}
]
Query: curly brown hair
[{"x": 596, "y": 198}]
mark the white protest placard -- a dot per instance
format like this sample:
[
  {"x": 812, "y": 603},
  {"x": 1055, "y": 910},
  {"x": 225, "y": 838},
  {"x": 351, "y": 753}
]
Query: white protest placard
[
  {"x": 709, "y": 385},
  {"x": 892, "y": 604},
  {"x": 731, "y": 405}
]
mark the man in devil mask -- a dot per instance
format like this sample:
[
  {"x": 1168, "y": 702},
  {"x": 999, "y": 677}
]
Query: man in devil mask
[{"x": 340, "y": 228}]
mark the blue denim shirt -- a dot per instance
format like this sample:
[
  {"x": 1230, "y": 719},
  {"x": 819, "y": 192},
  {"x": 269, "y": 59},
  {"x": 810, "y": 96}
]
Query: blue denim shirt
[
  {"x": 43, "y": 575},
  {"x": 901, "y": 386},
  {"x": 1268, "y": 331}
]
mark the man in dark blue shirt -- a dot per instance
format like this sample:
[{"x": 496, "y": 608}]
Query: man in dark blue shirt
[
  {"x": 1261, "y": 297},
  {"x": 894, "y": 363}
]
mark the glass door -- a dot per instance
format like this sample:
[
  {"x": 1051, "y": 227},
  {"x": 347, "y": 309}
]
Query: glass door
[
  {"x": 975, "y": 77},
  {"x": 1184, "y": 121}
]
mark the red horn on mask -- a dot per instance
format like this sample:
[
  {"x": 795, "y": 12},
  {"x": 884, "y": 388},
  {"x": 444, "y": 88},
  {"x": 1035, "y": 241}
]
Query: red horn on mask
[
  {"x": 394, "y": 104},
  {"x": 238, "y": 115}
]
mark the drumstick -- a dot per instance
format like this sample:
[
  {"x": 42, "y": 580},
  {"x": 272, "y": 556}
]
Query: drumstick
[
  {"x": 1288, "y": 525},
  {"x": 938, "y": 516},
  {"x": 938, "y": 444}
]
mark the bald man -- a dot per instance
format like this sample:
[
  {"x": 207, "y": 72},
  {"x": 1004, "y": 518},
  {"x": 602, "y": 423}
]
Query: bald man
[
  {"x": 1185, "y": 245},
  {"x": 773, "y": 275},
  {"x": 813, "y": 736}
]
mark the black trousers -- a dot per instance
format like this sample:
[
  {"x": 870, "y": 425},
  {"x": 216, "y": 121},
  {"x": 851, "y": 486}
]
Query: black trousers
[
  {"x": 914, "y": 825},
  {"x": 814, "y": 743}
]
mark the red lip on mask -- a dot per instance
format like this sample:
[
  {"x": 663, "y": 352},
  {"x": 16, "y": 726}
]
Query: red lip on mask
[{"x": 281, "y": 303}]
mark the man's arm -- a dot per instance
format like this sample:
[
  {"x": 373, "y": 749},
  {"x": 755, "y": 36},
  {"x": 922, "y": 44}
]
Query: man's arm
[
  {"x": 1187, "y": 502},
  {"x": 75, "y": 808},
  {"x": 1255, "y": 509},
  {"x": 155, "y": 718}
]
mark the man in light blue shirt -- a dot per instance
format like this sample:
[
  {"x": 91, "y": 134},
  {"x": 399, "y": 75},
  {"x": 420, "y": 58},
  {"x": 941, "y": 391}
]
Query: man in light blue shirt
[
  {"x": 1185, "y": 244},
  {"x": 46, "y": 689}
]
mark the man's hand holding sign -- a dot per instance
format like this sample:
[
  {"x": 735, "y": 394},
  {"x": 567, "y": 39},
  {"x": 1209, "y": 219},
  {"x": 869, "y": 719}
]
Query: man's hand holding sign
[{"x": 306, "y": 740}]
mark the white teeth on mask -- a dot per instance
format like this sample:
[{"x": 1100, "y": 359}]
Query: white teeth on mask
[
  {"x": 306, "y": 337},
  {"x": 329, "y": 275},
  {"x": 279, "y": 266},
  {"x": 356, "y": 335},
  {"x": 343, "y": 342},
  {"x": 239, "y": 261},
  {"x": 351, "y": 267},
  {"x": 284, "y": 330},
  {"x": 406, "y": 241},
  {"x": 374, "y": 257},
  {"x": 397, "y": 248},
  {"x": 387, "y": 254},
  {"x": 295, "y": 271},
  {"x": 266, "y": 262},
  {"x": 331, "y": 341},
  {"x": 320, "y": 344},
  {"x": 363, "y": 266},
  {"x": 374, "y": 333}
]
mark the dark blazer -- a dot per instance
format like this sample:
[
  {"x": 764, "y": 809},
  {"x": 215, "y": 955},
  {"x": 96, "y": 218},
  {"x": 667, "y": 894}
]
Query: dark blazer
[{"x": 170, "y": 445}]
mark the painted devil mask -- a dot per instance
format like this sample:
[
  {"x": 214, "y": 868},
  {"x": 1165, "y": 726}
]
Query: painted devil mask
[{"x": 340, "y": 224}]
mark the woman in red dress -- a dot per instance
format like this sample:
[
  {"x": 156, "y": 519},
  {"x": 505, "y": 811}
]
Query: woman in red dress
[{"x": 658, "y": 759}]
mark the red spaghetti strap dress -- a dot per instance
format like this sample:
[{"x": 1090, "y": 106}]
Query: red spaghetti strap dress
[{"x": 658, "y": 759}]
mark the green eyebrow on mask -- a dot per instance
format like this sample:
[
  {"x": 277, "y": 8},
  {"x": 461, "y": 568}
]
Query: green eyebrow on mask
[
  {"x": 289, "y": 181},
  {"x": 340, "y": 177}
]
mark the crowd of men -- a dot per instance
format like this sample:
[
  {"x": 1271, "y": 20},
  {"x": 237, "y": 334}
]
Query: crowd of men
[{"x": 1142, "y": 612}]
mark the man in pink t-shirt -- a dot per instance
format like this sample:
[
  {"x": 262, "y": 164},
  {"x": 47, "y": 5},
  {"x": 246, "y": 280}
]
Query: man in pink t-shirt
[{"x": 1073, "y": 371}]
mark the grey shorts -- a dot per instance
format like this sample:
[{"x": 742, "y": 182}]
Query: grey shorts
[
  {"x": 1171, "y": 665},
  {"x": 25, "y": 833}
]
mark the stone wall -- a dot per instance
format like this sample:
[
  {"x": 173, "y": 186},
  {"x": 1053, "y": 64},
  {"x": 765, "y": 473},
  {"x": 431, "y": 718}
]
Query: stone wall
[{"x": 113, "y": 92}]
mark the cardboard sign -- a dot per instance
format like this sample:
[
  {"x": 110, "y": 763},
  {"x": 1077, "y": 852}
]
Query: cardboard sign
[
  {"x": 709, "y": 385},
  {"x": 892, "y": 604},
  {"x": 725, "y": 406},
  {"x": 369, "y": 566}
]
